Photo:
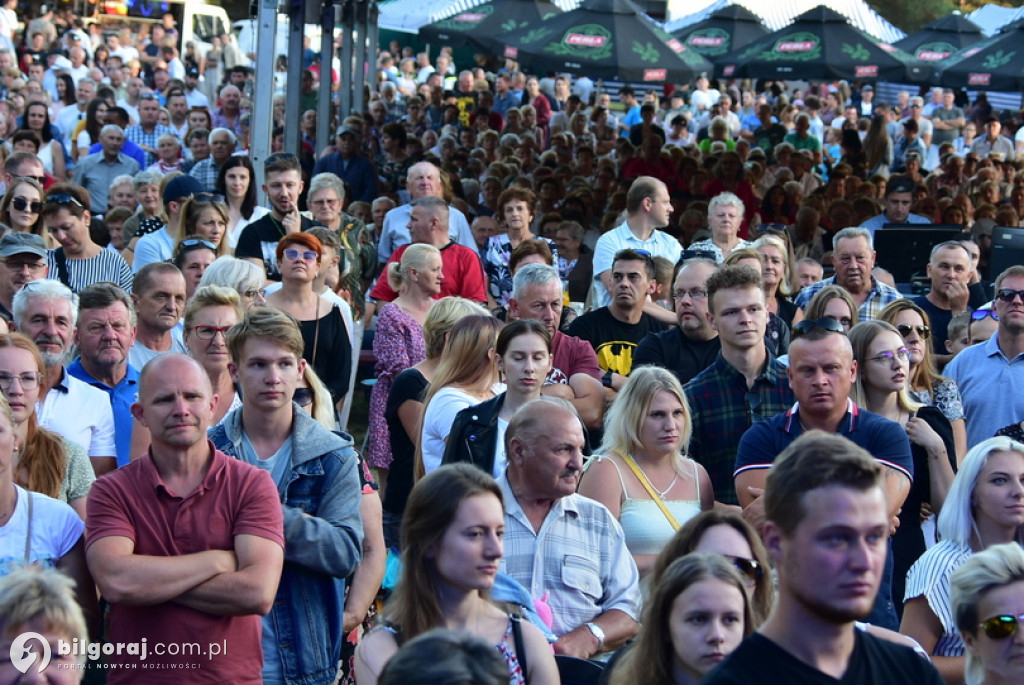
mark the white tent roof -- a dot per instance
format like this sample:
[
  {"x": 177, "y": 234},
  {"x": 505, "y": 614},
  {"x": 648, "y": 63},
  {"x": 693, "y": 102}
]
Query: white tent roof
[
  {"x": 411, "y": 15},
  {"x": 991, "y": 18},
  {"x": 778, "y": 13}
]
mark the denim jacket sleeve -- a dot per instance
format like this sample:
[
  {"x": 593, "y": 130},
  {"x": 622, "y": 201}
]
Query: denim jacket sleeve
[{"x": 329, "y": 541}]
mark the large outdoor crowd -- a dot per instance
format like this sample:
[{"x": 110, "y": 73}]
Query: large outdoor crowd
[{"x": 620, "y": 423}]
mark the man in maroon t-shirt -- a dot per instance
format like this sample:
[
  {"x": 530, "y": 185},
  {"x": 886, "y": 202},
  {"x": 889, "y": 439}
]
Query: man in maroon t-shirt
[
  {"x": 463, "y": 272},
  {"x": 185, "y": 543},
  {"x": 575, "y": 375}
]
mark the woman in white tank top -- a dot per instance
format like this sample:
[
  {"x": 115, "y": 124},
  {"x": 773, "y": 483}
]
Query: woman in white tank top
[{"x": 642, "y": 475}]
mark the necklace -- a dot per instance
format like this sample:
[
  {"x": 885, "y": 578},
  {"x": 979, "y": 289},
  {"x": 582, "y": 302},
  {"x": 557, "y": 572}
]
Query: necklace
[{"x": 661, "y": 493}]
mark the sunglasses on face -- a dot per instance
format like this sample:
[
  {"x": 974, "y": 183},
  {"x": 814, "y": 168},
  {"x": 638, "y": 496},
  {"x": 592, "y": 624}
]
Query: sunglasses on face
[
  {"x": 303, "y": 396},
  {"x": 1001, "y": 627},
  {"x": 21, "y": 204},
  {"x": 1009, "y": 295},
  {"x": 306, "y": 255},
  {"x": 825, "y": 324},
  {"x": 923, "y": 332},
  {"x": 981, "y": 314},
  {"x": 750, "y": 568}
]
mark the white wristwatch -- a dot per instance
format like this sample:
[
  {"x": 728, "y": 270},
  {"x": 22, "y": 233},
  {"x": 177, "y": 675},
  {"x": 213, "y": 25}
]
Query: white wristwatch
[{"x": 598, "y": 633}]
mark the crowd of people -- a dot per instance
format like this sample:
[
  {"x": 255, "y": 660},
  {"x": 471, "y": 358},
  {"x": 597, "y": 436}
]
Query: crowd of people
[{"x": 640, "y": 398}]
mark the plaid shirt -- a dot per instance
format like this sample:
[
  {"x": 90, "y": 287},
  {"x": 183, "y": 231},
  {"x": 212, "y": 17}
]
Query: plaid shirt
[
  {"x": 579, "y": 556},
  {"x": 143, "y": 139},
  {"x": 206, "y": 172},
  {"x": 723, "y": 408},
  {"x": 879, "y": 297}
]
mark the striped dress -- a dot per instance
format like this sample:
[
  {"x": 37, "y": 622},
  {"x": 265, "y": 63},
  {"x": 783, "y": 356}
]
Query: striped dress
[
  {"x": 929, "y": 578},
  {"x": 106, "y": 266}
]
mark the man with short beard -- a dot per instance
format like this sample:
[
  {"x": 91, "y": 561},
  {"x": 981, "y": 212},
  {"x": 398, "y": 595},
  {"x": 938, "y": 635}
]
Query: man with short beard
[{"x": 46, "y": 312}]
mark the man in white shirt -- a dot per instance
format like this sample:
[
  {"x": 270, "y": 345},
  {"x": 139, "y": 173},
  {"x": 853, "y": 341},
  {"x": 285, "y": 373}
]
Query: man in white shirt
[
  {"x": 46, "y": 312},
  {"x": 648, "y": 208}
]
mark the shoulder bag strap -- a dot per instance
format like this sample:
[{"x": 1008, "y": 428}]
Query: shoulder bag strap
[
  {"x": 28, "y": 534},
  {"x": 62, "y": 267},
  {"x": 650, "y": 489},
  {"x": 517, "y": 636}
]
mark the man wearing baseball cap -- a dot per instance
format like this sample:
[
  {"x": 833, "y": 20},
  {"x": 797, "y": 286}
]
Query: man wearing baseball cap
[
  {"x": 22, "y": 259},
  {"x": 159, "y": 245},
  {"x": 348, "y": 165},
  {"x": 193, "y": 96}
]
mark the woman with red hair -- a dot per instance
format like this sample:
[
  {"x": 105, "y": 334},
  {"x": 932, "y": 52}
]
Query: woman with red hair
[{"x": 328, "y": 347}]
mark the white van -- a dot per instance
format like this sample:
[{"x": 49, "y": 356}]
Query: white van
[{"x": 197, "y": 21}]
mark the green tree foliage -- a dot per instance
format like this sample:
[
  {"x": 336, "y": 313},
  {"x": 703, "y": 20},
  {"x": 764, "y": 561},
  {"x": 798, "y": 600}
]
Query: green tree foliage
[{"x": 910, "y": 15}]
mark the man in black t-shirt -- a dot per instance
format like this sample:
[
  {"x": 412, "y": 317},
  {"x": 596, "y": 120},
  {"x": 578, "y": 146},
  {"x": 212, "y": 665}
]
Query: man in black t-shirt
[
  {"x": 826, "y": 528},
  {"x": 614, "y": 331},
  {"x": 283, "y": 186},
  {"x": 693, "y": 344}
]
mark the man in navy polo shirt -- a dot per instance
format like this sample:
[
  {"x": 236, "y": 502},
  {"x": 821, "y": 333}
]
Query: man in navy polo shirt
[{"x": 821, "y": 372}]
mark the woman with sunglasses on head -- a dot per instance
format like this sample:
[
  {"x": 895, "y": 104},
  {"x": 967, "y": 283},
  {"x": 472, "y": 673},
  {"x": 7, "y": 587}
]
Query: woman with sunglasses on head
[
  {"x": 883, "y": 366},
  {"x": 204, "y": 215},
  {"x": 988, "y": 607},
  {"x": 193, "y": 256},
  {"x": 398, "y": 342},
  {"x": 44, "y": 462},
  {"x": 924, "y": 382},
  {"x": 697, "y": 614},
  {"x": 79, "y": 262},
  {"x": 51, "y": 152},
  {"x": 984, "y": 507},
  {"x": 641, "y": 474},
  {"x": 328, "y": 347},
  {"x": 236, "y": 181},
  {"x": 22, "y": 206}
]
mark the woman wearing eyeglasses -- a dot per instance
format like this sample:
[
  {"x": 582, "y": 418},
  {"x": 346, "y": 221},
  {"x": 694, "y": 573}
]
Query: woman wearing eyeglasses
[
  {"x": 984, "y": 507},
  {"x": 924, "y": 382},
  {"x": 210, "y": 313},
  {"x": 642, "y": 475},
  {"x": 206, "y": 216},
  {"x": 327, "y": 345},
  {"x": 43, "y": 462},
  {"x": 245, "y": 278},
  {"x": 79, "y": 262},
  {"x": 193, "y": 256},
  {"x": 881, "y": 387},
  {"x": 988, "y": 606},
  {"x": 22, "y": 206}
]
